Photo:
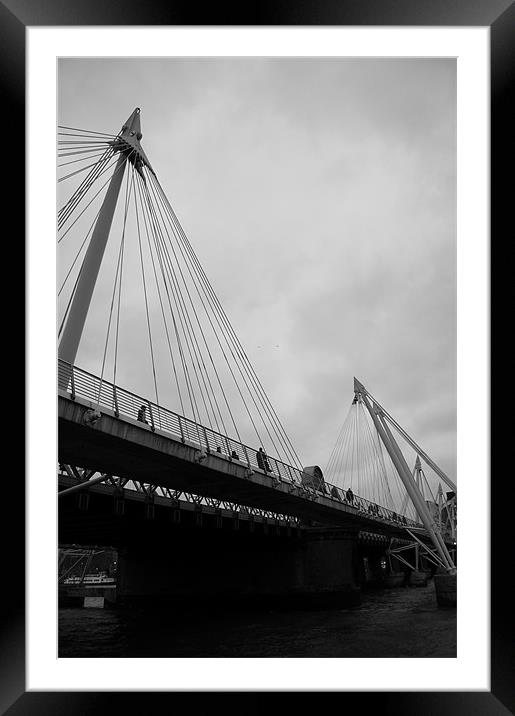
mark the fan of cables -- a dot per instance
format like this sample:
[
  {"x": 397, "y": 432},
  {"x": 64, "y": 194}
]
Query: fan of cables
[
  {"x": 155, "y": 320},
  {"x": 360, "y": 461}
]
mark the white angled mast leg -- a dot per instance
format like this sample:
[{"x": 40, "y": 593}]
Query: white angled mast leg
[
  {"x": 409, "y": 483},
  {"x": 88, "y": 275},
  {"x": 128, "y": 144},
  {"x": 421, "y": 506}
]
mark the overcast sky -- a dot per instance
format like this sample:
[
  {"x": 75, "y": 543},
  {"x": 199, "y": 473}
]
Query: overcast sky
[{"x": 319, "y": 196}]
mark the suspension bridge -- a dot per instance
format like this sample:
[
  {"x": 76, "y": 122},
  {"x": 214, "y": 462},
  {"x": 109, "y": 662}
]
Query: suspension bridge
[{"x": 136, "y": 474}]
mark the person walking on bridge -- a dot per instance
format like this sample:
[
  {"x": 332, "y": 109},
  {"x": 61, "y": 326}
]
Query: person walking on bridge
[
  {"x": 262, "y": 460},
  {"x": 142, "y": 415}
]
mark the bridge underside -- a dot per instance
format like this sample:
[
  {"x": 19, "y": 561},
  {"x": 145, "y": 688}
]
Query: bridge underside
[
  {"x": 126, "y": 448},
  {"x": 194, "y": 558}
]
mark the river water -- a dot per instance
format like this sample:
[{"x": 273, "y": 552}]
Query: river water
[{"x": 402, "y": 622}]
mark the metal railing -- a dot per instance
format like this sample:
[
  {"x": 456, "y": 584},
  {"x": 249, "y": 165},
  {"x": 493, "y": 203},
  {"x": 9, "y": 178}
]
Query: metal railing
[{"x": 79, "y": 383}]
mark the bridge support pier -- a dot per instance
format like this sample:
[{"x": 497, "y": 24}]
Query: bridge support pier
[
  {"x": 330, "y": 569},
  {"x": 316, "y": 570}
]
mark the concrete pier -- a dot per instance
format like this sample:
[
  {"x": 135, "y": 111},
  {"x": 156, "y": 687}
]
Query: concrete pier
[{"x": 318, "y": 568}]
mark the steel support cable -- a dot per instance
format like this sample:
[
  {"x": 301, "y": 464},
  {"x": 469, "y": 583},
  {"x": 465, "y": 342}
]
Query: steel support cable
[
  {"x": 80, "y": 159},
  {"x": 359, "y": 449},
  {"x": 84, "y": 142},
  {"x": 165, "y": 323},
  {"x": 120, "y": 253},
  {"x": 189, "y": 383},
  {"x": 86, "y": 131},
  {"x": 159, "y": 199},
  {"x": 380, "y": 453},
  {"x": 373, "y": 477},
  {"x": 432, "y": 495},
  {"x": 368, "y": 488},
  {"x": 227, "y": 362},
  {"x": 179, "y": 312},
  {"x": 74, "y": 152},
  {"x": 155, "y": 199},
  {"x": 177, "y": 228},
  {"x": 163, "y": 311},
  {"x": 381, "y": 477},
  {"x": 341, "y": 462},
  {"x": 389, "y": 469},
  {"x": 346, "y": 451},
  {"x": 162, "y": 233},
  {"x": 147, "y": 312},
  {"x": 153, "y": 218},
  {"x": 126, "y": 210},
  {"x": 216, "y": 304},
  {"x": 93, "y": 199},
  {"x": 179, "y": 232},
  {"x": 77, "y": 171},
  {"x": 355, "y": 457},
  {"x": 187, "y": 379},
  {"x": 174, "y": 230},
  {"x": 226, "y": 402},
  {"x": 368, "y": 485},
  {"x": 378, "y": 459},
  {"x": 337, "y": 466},
  {"x": 84, "y": 136},
  {"x": 333, "y": 460},
  {"x": 202, "y": 333},
  {"x": 89, "y": 147},
  {"x": 100, "y": 166},
  {"x": 355, "y": 462},
  {"x": 352, "y": 448},
  {"x": 399, "y": 483},
  {"x": 393, "y": 423},
  {"x": 257, "y": 386},
  {"x": 97, "y": 166},
  {"x": 98, "y": 169},
  {"x": 374, "y": 487},
  {"x": 334, "y": 452},
  {"x": 404, "y": 504},
  {"x": 380, "y": 471},
  {"x": 78, "y": 252},
  {"x": 365, "y": 458},
  {"x": 72, "y": 294},
  {"x": 266, "y": 406},
  {"x": 347, "y": 446}
]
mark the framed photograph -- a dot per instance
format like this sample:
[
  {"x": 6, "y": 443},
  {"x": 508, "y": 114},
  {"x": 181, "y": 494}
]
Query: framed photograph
[{"x": 305, "y": 139}]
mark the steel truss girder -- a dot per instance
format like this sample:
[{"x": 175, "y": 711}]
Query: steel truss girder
[{"x": 149, "y": 490}]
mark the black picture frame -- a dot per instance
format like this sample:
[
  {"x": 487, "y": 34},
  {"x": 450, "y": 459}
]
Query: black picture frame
[{"x": 15, "y": 17}]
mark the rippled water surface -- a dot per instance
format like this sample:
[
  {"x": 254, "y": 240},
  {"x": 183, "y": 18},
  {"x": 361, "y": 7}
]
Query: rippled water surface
[{"x": 404, "y": 622}]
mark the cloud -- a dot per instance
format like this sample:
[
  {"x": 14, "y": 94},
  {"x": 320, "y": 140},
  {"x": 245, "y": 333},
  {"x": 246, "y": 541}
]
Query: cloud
[{"x": 319, "y": 196}]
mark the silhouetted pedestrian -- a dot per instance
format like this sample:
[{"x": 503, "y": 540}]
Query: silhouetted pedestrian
[{"x": 262, "y": 460}]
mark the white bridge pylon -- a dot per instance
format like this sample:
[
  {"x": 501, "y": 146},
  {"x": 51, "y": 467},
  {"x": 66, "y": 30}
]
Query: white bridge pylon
[
  {"x": 380, "y": 417},
  {"x": 136, "y": 301}
]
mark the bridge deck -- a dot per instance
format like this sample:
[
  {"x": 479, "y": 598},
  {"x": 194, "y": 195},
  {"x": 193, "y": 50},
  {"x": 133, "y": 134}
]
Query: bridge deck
[{"x": 127, "y": 448}]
